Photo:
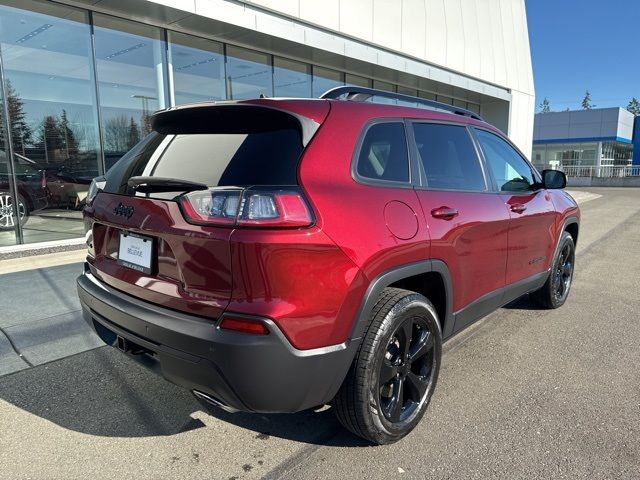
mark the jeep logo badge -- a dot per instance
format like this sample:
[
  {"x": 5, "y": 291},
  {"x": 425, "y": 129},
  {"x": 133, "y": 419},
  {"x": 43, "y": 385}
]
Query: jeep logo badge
[{"x": 123, "y": 210}]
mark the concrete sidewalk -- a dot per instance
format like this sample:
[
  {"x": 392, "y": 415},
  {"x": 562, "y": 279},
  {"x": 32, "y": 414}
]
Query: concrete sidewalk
[{"x": 40, "y": 317}]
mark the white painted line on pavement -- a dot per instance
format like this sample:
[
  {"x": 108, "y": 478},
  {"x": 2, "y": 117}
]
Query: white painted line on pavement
[{"x": 582, "y": 197}]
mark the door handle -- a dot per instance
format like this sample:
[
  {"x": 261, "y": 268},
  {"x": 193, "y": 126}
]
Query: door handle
[
  {"x": 445, "y": 213},
  {"x": 518, "y": 208}
]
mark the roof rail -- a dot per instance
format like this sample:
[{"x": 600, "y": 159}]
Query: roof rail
[{"x": 362, "y": 94}]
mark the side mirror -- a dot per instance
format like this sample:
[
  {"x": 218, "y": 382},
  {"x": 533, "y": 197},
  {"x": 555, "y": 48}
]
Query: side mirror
[{"x": 554, "y": 179}]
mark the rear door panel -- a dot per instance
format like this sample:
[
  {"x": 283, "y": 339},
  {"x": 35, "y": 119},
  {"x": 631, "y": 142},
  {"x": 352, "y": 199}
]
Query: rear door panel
[{"x": 473, "y": 244}]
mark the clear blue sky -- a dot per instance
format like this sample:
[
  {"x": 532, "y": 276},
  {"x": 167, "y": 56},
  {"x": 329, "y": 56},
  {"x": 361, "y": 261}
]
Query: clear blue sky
[{"x": 579, "y": 45}]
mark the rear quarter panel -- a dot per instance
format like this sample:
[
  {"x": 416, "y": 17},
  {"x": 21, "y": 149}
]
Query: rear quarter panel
[{"x": 351, "y": 213}]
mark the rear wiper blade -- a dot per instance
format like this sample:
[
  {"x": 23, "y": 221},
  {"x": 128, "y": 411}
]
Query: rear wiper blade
[{"x": 160, "y": 184}]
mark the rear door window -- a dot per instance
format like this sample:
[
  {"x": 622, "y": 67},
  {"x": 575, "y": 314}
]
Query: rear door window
[
  {"x": 383, "y": 153},
  {"x": 448, "y": 157}
]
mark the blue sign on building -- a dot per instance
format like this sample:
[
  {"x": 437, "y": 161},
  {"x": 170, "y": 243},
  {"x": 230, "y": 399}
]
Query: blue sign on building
[{"x": 636, "y": 142}]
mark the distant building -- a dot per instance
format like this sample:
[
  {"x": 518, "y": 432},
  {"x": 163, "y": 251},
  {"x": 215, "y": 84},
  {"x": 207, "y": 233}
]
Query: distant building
[{"x": 585, "y": 140}]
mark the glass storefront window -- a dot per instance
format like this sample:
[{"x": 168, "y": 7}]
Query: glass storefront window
[
  {"x": 50, "y": 92},
  {"x": 197, "y": 66},
  {"x": 387, "y": 87},
  {"x": 616, "y": 153},
  {"x": 248, "y": 73},
  {"x": 357, "y": 81},
  {"x": 427, "y": 95},
  {"x": 325, "y": 79},
  {"x": 9, "y": 232},
  {"x": 475, "y": 108},
  {"x": 291, "y": 79},
  {"x": 555, "y": 155},
  {"x": 131, "y": 81},
  {"x": 538, "y": 157},
  {"x": 407, "y": 91}
]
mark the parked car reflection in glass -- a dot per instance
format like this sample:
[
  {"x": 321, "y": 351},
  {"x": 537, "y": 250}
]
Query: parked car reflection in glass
[{"x": 33, "y": 194}]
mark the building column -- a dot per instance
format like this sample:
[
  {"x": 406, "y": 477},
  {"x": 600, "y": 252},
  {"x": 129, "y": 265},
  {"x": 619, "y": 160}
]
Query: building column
[{"x": 599, "y": 159}]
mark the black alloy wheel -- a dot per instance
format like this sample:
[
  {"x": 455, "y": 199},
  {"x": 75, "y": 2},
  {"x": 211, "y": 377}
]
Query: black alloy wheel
[
  {"x": 563, "y": 273},
  {"x": 394, "y": 373},
  {"x": 405, "y": 372},
  {"x": 556, "y": 289}
]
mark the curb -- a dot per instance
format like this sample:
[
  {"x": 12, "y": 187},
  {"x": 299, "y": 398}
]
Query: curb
[{"x": 43, "y": 248}]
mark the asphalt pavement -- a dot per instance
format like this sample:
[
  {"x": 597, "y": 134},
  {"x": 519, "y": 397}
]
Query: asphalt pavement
[{"x": 523, "y": 393}]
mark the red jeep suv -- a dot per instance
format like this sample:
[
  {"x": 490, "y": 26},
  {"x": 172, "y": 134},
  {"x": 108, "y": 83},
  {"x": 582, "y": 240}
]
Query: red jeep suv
[{"x": 274, "y": 255}]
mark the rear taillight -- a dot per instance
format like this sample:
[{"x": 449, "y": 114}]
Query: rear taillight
[
  {"x": 247, "y": 207},
  {"x": 97, "y": 185},
  {"x": 216, "y": 207}
]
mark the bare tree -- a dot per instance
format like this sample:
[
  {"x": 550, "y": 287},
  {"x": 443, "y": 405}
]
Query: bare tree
[{"x": 116, "y": 134}]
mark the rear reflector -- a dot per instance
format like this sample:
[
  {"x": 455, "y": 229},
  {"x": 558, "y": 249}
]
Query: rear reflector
[
  {"x": 244, "y": 325},
  {"x": 247, "y": 207}
]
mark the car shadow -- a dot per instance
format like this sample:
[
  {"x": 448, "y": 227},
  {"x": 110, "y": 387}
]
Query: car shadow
[
  {"x": 101, "y": 392},
  {"x": 523, "y": 303}
]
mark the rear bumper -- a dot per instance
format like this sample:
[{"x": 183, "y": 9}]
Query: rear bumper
[{"x": 259, "y": 373}]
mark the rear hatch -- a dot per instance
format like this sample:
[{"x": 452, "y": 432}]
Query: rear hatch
[{"x": 142, "y": 238}]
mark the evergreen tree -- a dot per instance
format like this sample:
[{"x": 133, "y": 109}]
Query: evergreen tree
[
  {"x": 21, "y": 133},
  {"x": 545, "y": 106},
  {"x": 70, "y": 142},
  {"x": 134, "y": 133},
  {"x": 51, "y": 137},
  {"x": 634, "y": 106},
  {"x": 586, "y": 101}
]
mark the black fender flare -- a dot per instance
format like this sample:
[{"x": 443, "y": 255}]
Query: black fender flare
[
  {"x": 393, "y": 275},
  {"x": 567, "y": 221}
]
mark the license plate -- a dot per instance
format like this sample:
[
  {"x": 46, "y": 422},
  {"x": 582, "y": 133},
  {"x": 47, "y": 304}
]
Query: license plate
[{"x": 135, "y": 251}]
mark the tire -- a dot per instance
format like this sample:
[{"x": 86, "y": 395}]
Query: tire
[
  {"x": 556, "y": 289},
  {"x": 7, "y": 220},
  {"x": 401, "y": 321}
]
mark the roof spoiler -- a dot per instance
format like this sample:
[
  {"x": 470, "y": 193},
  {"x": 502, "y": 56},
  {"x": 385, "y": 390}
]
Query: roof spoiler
[{"x": 230, "y": 118}]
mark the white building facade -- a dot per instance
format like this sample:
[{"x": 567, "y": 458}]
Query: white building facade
[{"x": 86, "y": 74}]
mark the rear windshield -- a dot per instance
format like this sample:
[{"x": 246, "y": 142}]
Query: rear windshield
[{"x": 216, "y": 159}]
